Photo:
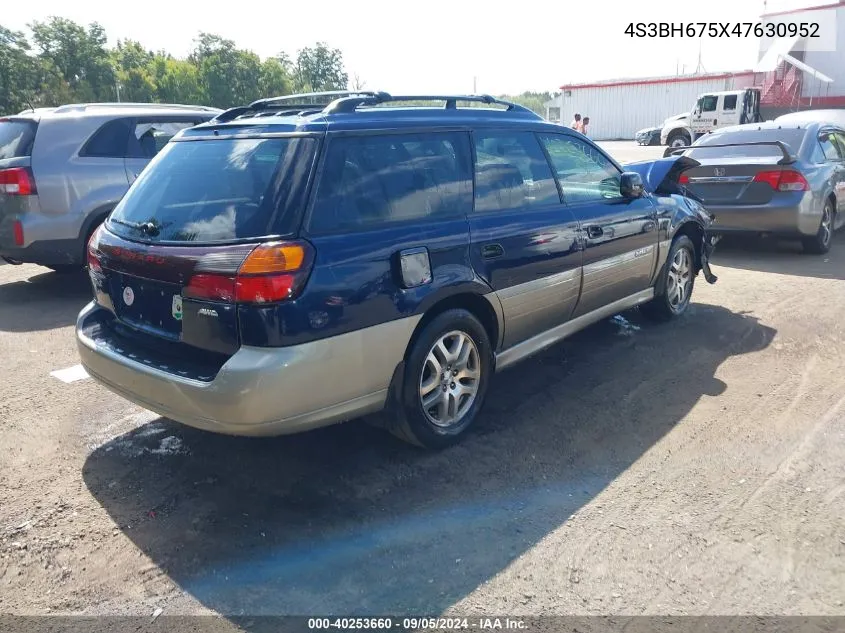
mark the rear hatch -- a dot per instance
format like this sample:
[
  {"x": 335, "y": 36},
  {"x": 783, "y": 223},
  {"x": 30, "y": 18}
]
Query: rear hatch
[
  {"x": 17, "y": 183},
  {"x": 744, "y": 168},
  {"x": 202, "y": 232}
]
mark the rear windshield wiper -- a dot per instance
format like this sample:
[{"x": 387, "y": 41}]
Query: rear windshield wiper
[{"x": 147, "y": 228}]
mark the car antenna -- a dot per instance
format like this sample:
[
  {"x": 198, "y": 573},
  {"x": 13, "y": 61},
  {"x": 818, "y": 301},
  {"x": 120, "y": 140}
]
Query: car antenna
[{"x": 29, "y": 103}]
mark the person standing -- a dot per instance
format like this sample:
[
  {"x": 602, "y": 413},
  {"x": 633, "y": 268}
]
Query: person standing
[
  {"x": 584, "y": 125},
  {"x": 576, "y": 123}
]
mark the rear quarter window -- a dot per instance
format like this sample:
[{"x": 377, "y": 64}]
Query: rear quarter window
[
  {"x": 369, "y": 181},
  {"x": 217, "y": 191},
  {"x": 16, "y": 137}
]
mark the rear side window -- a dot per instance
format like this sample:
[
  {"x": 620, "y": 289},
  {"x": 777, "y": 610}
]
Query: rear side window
[
  {"x": 511, "y": 172},
  {"x": 730, "y": 102},
  {"x": 220, "y": 190},
  {"x": 829, "y": 146},
  {"x": 16, "y": 137},
  {"x": 372, "y": 180},
  {"x": 110, "y": 141},
  {"x": 149, "y": 137}
]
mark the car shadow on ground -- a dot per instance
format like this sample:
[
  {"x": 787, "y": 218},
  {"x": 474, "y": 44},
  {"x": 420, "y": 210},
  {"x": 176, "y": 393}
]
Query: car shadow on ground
[
  {"x": 347, "y": 520},
  {"x": 782, "y": 257},
  {"x": 44, "y": 301}
]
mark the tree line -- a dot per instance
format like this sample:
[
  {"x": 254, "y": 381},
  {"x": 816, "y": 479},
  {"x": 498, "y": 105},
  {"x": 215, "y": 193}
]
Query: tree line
[{"x": 65, "y": 62}]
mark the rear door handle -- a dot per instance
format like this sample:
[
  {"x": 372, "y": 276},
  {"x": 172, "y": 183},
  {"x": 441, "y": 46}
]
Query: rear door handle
[
  {"x": 491, "y": 251},
  {"x": 594, "y": 232}
]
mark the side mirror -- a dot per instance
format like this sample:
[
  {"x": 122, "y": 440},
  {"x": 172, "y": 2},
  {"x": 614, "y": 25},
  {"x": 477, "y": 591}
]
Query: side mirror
[{"x": 631, "y": 185}]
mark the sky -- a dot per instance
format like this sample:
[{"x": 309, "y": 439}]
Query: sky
[{"x": 438, "y": 46}]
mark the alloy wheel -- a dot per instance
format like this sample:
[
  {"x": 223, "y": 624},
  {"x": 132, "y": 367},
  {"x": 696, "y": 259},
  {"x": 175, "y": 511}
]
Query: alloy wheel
[{"x": 450, "y": 379}]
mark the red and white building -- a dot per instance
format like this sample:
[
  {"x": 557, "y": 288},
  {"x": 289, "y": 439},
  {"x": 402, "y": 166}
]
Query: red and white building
[{"x": 789, "y": 79}]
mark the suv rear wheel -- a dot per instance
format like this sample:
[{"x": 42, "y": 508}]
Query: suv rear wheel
[
  {"x": 675, "y": 286},
  {"x": 445, "y": 381}
]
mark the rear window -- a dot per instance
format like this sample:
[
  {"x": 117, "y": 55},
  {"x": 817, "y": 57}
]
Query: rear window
[
  {"x": 217, "y": 191},
  {"x": 16, "y": 137},
  {"x": 792, "y": 138}
]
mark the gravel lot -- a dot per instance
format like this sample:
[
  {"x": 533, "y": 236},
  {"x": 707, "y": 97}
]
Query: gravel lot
[{"x": 688, "y": 468}]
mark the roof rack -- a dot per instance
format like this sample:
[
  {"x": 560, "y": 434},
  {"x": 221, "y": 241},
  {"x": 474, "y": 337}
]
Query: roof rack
[
  {"x": 77, "y": 107},
  {"x": 309, "y": 101},
  {"x": 785, "y": 160},
  {"x": 351, "y": 103}
]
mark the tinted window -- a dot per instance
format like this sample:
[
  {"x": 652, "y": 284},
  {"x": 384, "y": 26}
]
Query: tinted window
[
  {"x": 371, "y": 180},
  {"x": 110, "y": 141},
  {"x": 205, "y": 191},
  {"x": 16, "y": 137},
  {"x": 730, "y": 102},
  {"x": 511, "y": 172},
  {"x": 792, "y": 138},
  {"x": 150, "y": 137},
  {"x": 829, "y": 146},
  {"x": 708, "y": 103},
  {"x": 584, "y": 173}
]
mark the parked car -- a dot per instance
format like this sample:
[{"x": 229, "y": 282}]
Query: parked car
[
  {"x": 62, "y": 170},
  {"x": 648, "y": 136},
  {"x": 780, "y": 178},
  {"x": 284, "y": 267}
]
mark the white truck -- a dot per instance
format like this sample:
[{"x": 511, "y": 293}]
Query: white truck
[{"x": 712, "y": 110}]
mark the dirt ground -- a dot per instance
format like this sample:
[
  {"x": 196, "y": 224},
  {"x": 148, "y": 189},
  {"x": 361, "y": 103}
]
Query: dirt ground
[{"x": 694, "y": 467}]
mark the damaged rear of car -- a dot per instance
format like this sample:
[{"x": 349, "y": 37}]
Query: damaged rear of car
[{"x": 679, "y": 211}]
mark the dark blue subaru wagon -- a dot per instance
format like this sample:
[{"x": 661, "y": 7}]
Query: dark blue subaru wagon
[{"x": 305, "y": 260}]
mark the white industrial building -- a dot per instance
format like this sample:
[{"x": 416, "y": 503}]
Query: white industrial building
[
  {"x": 790, "y": 74},
  {"x": 618, "y": 108}
]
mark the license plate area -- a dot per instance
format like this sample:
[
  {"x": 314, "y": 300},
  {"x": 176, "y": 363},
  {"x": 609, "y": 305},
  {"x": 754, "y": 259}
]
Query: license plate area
[{"x": 148, "y": 305}]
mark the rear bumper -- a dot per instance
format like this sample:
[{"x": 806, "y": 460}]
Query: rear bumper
[
  {"x": 47, "y": 253},
  {"x": 794, "y": 220},
  {"x": 262, "y": 391}
]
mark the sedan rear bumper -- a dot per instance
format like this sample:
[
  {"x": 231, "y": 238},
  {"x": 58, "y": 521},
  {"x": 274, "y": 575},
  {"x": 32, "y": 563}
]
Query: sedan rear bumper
[
  {"x": 261, "y": 391},
  {"x": 795, "y": 220}
]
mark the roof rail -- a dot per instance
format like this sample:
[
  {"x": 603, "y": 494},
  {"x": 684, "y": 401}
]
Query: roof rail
[
  {"x": 76, "y": 107},
  {"x": 351, "y": 103},
  {"x": 287, "y": 103}
]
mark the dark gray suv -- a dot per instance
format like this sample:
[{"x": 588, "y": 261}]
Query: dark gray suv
[{"x": 62, "y": 170}]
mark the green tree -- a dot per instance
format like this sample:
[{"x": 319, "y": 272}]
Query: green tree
[
  {"x": 229, "y": 76},
  {"x": 19, "y": 72},
  {"x": 177, "y": 80},
  {"x": 275, "y": 78},
  {"x": 320, "y": 68}
]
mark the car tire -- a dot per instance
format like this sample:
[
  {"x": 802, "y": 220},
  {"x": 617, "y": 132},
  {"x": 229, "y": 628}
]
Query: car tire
[
  {"x": 434, "y": 410},
  {"x": 678, "y": 139},
  {"x": 680, "y": 266},
  {"x": 819, "y": 244}
]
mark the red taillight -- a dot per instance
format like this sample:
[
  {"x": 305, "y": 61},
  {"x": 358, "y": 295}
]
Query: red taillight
[
  {"x": 270, "y": 273},
  {"x": 17, "y": 229},
  {"x": 211, "y": 286},
  {"x": 93, "y": 251},
  {"x": 16, "y": 181},
  {"x": 783, "y": 180},
  {"x": 683, "y": 179}
]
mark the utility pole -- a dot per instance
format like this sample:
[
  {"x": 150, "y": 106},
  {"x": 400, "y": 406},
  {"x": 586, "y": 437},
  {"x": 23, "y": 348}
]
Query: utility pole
[
  {"x": 117, "y": 89},
  {"x": 474, "y": 86}
]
